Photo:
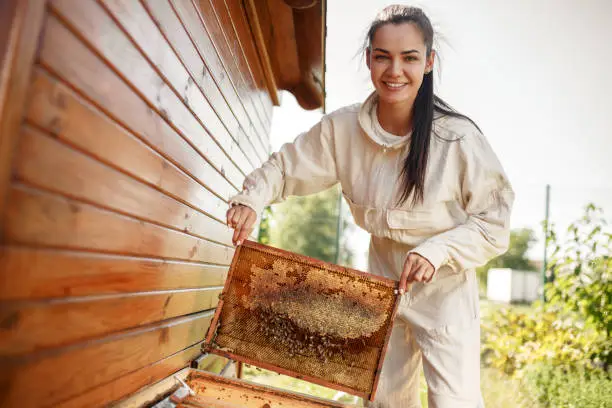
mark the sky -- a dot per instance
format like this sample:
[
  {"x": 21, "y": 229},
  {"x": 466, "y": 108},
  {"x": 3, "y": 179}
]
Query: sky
[{"x": 534, "y": 75}]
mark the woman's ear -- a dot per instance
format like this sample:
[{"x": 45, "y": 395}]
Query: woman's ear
[
  {"x": 429, "y": 65},
  {"x": 367, "y": 57}
]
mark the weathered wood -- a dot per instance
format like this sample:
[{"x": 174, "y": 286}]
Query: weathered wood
[
  {"x": 220, "y": 93},
  {"x": 148, "y": 384},
  {"x": 203, "y": 39},
  {"x": 50, "y": 378},
  {"x": 38, "y": 218},
  {"x": 61, "y": 113},
  {"x": 20, "y": 26},
  {"x": 67, "y": 56},
  {"x": 46, "y": 163},
  {"x": 43, "y": 324}
]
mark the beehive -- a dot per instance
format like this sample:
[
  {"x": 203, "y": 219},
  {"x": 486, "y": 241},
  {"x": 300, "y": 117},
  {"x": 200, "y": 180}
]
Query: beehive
[{"x": 305, "y": 318}]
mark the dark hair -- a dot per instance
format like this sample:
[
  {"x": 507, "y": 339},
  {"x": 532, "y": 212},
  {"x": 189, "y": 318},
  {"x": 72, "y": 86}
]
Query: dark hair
[{"x": 426, "y": 102}]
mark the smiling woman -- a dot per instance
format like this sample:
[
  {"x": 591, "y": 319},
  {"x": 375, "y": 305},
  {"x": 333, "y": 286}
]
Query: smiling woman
[{"x": 424, "y": 182}]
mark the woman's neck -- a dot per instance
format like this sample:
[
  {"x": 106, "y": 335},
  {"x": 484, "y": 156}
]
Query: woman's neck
[{"x": 395, "y": 118}]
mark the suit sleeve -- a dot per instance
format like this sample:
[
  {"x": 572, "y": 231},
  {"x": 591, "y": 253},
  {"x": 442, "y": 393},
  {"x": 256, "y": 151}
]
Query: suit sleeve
[
  {"x": 488, "y": 198},
  {"x": 305, "y": 166}
]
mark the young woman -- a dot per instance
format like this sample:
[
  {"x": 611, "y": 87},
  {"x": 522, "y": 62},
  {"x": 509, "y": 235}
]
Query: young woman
[{"x": 423, "y": 180}]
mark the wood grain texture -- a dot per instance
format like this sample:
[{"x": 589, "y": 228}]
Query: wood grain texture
[
  {"x": 219, "y": 92},
  {"x": 46, "y": 163},
  {"x": 35, "y": 273},
  {"x": 147, "y": 384},
  {"x": 219, "y": 25},
  {"x": 21, "y": 24},
  {"x": 233, "y": 16},
  {"x": 37, "y": 325},
  {"x": 114, "y": 98},
  {"x": 69, "y": 58},
  {"x": 208, "y": 37},
  {"x": 132, "y": 18},
  {"x": 38, "y": 218},
  {"x": 45, "y": 380},
  {"x": 61, "y": 113},
  {"x": 202, "y": 38}
]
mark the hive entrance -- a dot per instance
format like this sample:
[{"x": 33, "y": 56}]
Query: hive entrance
[{"x": 310, "y": 319}]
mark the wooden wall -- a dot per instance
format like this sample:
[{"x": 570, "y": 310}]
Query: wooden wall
[{"x": 130, "y": 123}]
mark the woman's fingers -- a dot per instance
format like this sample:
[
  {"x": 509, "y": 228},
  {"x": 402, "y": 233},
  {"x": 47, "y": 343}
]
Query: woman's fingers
[
  {"x": 416, "y": 269},
  {"x": 241, "y": 218},
  {"x": 246, "y": 227}
]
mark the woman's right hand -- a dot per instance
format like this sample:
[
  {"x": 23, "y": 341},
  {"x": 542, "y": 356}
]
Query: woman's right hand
[{"x": 241, "y": 218}]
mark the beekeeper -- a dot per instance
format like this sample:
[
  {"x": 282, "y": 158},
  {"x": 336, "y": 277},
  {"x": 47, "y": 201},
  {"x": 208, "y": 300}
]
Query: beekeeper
[{"x": 424, "y": 182}]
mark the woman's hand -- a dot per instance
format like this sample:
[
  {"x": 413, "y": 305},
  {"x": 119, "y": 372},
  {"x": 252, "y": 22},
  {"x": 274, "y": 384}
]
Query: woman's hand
[
  {"x": 416, "y": 269},
  {"x": 241, "y": 218}
]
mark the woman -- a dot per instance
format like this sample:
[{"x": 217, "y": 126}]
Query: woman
[{"x": 423, "y": 180}]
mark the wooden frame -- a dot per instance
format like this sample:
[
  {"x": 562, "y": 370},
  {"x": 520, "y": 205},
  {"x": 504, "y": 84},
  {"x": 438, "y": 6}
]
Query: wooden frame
[
  {"x": 21, "y": 23},
  {"x": 208, "y": 344}
]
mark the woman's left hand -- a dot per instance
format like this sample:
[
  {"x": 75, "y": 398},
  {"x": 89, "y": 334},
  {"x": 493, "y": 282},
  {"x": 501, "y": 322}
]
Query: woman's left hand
[{"x": 416, "y": 269}]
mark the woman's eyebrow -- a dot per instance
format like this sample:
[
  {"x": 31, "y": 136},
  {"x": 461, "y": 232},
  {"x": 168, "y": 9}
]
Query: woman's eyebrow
[{"x": 403, "y": 52}]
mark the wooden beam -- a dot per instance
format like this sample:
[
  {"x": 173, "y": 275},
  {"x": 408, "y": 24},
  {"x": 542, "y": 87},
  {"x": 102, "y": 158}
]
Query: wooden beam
[{"x": 21, "y": 22}]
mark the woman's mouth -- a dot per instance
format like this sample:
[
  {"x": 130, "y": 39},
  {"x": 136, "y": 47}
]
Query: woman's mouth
[{"x": 394, "y": 86}]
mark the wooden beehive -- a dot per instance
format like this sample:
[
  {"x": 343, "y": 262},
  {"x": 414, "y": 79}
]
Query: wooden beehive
[
  {"x": 125, "y": 126},
  {"x": 305, "y": 318}
]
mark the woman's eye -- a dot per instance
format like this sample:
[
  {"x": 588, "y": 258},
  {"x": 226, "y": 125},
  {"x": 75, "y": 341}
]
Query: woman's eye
[
  {"x": 410, "y": 59},
  {"x": 380, "y": 57}
]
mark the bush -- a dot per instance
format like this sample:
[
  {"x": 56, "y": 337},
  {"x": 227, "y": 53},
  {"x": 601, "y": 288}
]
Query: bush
[
  {"x": 513, "y": 341},
  {"x": 555, "y": 387}
]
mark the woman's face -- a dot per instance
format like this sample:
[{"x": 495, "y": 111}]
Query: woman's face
[{"x": 397, "y": 61}]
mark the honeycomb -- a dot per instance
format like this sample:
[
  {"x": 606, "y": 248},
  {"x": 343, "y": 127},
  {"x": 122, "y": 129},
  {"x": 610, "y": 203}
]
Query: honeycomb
[{"x": 311, "y": 319}]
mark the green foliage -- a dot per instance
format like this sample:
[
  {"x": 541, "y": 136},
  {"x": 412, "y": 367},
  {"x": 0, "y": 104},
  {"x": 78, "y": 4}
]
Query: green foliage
[
  {"x": 558, "y": 388},
  {"x": 513, "y": 341},
  {"x": 309, "y": 226},
  {"x": 562, "y": 346},
  {"x": 515, "y": 257},
  {"x": 580, "y": 271}
]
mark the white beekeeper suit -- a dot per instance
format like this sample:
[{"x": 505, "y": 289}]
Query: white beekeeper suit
[{"x": 462, "y": 222}]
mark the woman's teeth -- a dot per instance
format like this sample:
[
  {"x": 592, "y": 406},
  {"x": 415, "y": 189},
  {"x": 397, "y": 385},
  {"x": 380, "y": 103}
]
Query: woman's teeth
[{"x": 394, "y": 85}]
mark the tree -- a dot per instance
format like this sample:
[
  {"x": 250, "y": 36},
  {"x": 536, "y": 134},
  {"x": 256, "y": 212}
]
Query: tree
[
  {"x": 308, "y": 226},
  {"x": 515, "y": 258}
]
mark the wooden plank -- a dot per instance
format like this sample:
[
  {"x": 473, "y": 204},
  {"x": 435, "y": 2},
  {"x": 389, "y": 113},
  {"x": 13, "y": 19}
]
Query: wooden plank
[
  {"x": 148, "y": 384},
  {"x": 218, "y": 23},
  {"x": 50, "y": 273},
  {"x": 46, "y": 163},
  {"x": 249, "y": 394},
  {"x": 187, "y": 13},
  {"x": 231, "y": 112},
  {"x": 20, "y": 27},
  {"x": 59, "y": 111},
  {"x": 262, "y": 50},
  {"x": 69, "y": 58},
  {"x": 119, "y": 102},
  {"x": 202, "y": 36},
  {"x": 123, "y": 57},
  {"x": 38, "y": 325},
  {"x": 136, "y": 22},
  {"x": 46, "y": 379},
  {"x": 245, "y": 53},
  {"x": 38, "y": 218}
]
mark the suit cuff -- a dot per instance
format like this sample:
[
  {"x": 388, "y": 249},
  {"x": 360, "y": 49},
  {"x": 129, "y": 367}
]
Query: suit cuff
[{"x": 434, "y": 253}]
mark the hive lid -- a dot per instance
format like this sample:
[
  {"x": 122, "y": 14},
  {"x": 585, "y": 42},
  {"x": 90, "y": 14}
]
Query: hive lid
[{"x": 305, "y": 318}]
